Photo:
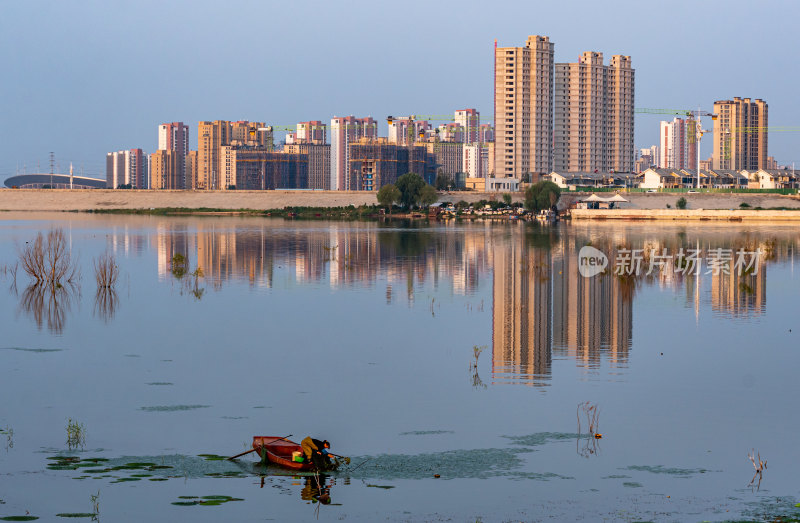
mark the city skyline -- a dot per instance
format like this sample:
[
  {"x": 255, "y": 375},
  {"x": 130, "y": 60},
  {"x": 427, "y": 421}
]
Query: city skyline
[{"x": 53, "y": 55}]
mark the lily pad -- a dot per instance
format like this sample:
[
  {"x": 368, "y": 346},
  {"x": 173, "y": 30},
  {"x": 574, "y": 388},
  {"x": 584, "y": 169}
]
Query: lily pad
[{"x": 19, "y": 518}]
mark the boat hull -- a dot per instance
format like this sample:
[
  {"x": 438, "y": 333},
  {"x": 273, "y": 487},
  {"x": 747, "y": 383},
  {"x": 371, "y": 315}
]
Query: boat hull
[{"x": 277, "y": 450}]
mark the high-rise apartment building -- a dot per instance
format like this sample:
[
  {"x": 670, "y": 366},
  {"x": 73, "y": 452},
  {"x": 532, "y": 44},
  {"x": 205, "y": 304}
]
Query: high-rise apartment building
[
  {"x": 475, "y": 160},
  {"x": 740, "y": 134},
  {"x": 313, "y": 132},
  {"x": 210, "y": 137},
  {"x": 406, "y": 131},
  {"x": 128, "y": 168},
  {"x": 523, "y": 101},
  {"x": 166, "y": 170},
  {"x": 673, "y": 145},
  {"x": 190, "y": 173},
  {"x": 175, "y": 137},
  {"x": 593, "y": 115},
  {"x": 470, "y": 121},
  {"x": 254, "y": 134},
  {"x": 486, "y": 133},
  {"x": 344, "y": 131},
  {"x": 451, "y": 132}
]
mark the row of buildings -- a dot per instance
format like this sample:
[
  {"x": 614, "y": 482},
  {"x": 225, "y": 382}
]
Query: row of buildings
[
  {"x": 657, "y": 178},
  {"x": 548, "y": 117},
  {"x": 243, "y": 155},
  {"x": 740, "y": 140}
]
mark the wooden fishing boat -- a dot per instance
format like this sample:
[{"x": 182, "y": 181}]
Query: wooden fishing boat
[{"x": 278, "y": 450}]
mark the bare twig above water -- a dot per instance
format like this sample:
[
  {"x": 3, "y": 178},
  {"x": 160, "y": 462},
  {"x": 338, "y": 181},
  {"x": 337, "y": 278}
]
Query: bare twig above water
[
  {"x": 106, "y": 271},
  {"x": 48, "y": 260},
  {"x": 759, "y": 468}
]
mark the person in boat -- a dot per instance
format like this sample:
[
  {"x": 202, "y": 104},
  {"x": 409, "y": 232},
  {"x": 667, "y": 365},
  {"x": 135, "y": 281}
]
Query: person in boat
[{"x": 316, "y": 452}]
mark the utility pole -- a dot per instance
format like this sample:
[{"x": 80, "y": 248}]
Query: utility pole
[{"x": 52, "y": 167}]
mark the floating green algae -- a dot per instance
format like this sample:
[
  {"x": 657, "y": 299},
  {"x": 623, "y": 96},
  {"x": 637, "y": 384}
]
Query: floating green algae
[
  {"x": 387, "y": 487},
  {"x": 173, "y": 408},
  {"x": 541, "y": 438},
  {"x": 212, "y": 457},
  {"x": 631, "y": 484},
  {"x": 30, "y": 350},
  {"x": 209, "y": 501},
  {"x": 670, "y": 471},
  {"x": 159, "y": 468},
  {"x": 426, "y": 432},
  {"x": 161, "y": 383},
  {"x": 77, "y": 515},
  {"x": 19, "y": 518}
]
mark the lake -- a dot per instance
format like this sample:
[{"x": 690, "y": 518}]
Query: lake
[{"x": 482, "y": 352}]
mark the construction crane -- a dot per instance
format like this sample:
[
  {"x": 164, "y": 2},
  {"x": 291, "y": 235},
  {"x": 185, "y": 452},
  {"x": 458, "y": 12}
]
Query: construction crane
[{"x": 698, "y": 128}]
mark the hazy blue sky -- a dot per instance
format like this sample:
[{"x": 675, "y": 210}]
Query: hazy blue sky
[{"x": 86, "y": 77}]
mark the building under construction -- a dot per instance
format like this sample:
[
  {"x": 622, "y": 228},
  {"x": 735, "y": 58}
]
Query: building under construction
[
  {"x": 374, "y": 163},
  {"x": 257, "y": 168},
  {"x": 319, "y": 163}
]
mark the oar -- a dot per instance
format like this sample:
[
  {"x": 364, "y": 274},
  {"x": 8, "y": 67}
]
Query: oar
[{"x": 253, "y": 450}]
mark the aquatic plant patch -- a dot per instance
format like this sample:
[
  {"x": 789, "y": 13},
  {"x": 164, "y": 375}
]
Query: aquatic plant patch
[
  {"x": 208, "y": 501},
  {"x": 173, "y": 408}
]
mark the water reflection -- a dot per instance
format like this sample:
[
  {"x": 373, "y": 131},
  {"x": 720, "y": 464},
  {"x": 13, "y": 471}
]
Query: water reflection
[
  {"x": 542, "y": 308},
  {"x": 105, "y": 303},
  {"x": 48, "y": 304}
]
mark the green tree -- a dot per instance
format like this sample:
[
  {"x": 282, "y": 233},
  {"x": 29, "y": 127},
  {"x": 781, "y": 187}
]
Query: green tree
[
  {"x": 542, "y": 195},
  {"x": 507, "y": 199},
  {"x": 681, "y": 203},
  {"x": 410, "y": 186},
  {"x": 387, "y": 195},
  {"x": 428, "y": 196}
]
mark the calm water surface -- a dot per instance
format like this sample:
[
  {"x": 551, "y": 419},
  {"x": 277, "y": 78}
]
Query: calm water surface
[{"x": 365, "y": 334}]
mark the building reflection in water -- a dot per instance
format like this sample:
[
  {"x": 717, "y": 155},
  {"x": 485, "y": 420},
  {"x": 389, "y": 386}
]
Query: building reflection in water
[
  {"x": 542, "y": 308},
  {"x": 542, "y": 305}
]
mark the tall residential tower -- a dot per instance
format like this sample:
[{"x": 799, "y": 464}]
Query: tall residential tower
[
  {"x": 593, "y": 119},
  {"x": 523, "y": 101},
  {"x": 740, "y": 134}
]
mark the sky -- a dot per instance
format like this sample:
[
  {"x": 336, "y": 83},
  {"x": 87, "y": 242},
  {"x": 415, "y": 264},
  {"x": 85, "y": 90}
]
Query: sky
[{"x": 85, "y": 78}]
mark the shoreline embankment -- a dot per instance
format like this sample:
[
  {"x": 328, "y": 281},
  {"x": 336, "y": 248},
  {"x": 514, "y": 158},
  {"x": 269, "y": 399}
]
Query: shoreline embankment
[{"x": 640, "y": 206}]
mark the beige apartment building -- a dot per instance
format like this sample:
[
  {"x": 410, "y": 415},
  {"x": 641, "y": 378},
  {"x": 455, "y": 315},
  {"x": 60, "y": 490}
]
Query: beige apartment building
[
  {"x": 210, "y": 137},
  {"x": 191, "y": 170},
  {"x": 252, "y": 133},
  {"x": 523, "y": 101},
  {"x": 593, "y": 115},
  {"x": 740, "y": 134},
  {"x": 165, "y": 170}
]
